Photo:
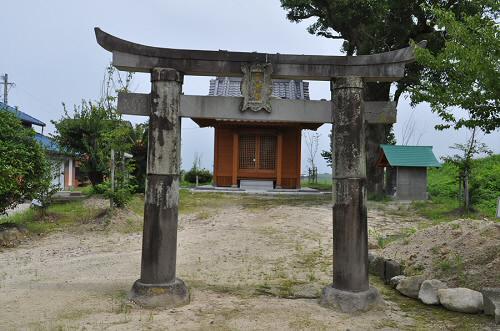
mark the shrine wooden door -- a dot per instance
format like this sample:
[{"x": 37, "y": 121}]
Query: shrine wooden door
[{"x": 257, "y": 155}]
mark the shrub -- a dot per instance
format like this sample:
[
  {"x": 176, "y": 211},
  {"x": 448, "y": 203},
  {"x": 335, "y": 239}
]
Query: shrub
[
  {"x": 23, "y": 165},
  {"x": 121, "y": 196},
  {"x": 204, "y": 176}
]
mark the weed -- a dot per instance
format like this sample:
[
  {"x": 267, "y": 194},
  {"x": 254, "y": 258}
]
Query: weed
[
  {"x": 452, "y": 266},
  {"x": 435, "y": 250},
  {"x": 203, "y": 215},
  {"x": 58, "y": 216}
]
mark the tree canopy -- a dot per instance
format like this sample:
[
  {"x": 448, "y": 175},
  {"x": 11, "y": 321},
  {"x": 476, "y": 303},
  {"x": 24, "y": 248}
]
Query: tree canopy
[
  {"x": 466, "y": 72},
  {"x": 90, "y": 132},
  {"x": 369, "y": 26},
  {"x": 95, "y": 127},
  {"x": 23, "y": 165}
]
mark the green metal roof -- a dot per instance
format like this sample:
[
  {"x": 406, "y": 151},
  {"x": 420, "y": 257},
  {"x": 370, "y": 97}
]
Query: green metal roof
[{"x": 410, "y": 156}]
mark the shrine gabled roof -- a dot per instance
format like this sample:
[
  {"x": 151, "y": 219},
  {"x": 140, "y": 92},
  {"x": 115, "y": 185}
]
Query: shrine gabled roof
[
  {"x": 410, "y": 156},
  {"x": 22, "y": 116}
]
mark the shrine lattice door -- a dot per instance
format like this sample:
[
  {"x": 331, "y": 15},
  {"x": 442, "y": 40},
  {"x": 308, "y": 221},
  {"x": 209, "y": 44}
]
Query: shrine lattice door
[{"x": 257, "y": 155}]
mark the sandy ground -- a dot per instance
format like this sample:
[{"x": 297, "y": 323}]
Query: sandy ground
[
  {"x": 247, "y": 268},
  {"x": 461, "y": 253}
]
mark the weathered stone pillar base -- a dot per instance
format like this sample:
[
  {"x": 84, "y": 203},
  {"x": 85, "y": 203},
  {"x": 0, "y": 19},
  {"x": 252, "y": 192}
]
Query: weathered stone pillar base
[
  {"x": 350, "y": 302},
  {"x": 171, "y": 295}
]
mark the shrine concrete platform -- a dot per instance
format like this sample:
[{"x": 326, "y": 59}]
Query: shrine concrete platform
[{"x": 237, "y": 190}]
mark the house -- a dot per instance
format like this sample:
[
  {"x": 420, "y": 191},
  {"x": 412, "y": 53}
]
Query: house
[
  {"x": 260, "y": 152},
  {"x": 406, "y": 170},
  {"x": 65, "y": 168}
]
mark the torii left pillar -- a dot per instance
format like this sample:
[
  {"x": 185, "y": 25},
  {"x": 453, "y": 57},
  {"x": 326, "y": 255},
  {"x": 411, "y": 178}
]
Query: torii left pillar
[{"x": 158, "y": 286}]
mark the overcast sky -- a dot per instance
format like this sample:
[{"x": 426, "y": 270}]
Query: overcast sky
[{"x": 49, "y": 50}]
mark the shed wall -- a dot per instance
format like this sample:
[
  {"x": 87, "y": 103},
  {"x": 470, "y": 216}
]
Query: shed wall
[{"x": 411, "y": 183}]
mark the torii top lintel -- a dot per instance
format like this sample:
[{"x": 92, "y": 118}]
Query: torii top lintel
[{"x": 129, "y": 56}]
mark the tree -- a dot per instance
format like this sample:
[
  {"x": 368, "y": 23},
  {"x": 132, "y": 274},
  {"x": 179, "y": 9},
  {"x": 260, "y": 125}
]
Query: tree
[
  {"x": 408, "y": 132},
  {"x": 464, "y": 163},
  {"x": 466, "y": 72},
  {"x": 95, "y": 127},
  {"x": 23, "y": 165},
  {"x": 311, "y": 140},
  {"x": 369, "y": 27},
  {"x": 139, "y": 150},
  {"x": 197, "y": 174}
]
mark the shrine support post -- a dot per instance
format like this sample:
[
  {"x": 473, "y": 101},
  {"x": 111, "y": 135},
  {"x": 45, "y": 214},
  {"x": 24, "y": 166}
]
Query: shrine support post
[
  {"x": 350, "y": 290},
  {"x": 158, "y": 286}
]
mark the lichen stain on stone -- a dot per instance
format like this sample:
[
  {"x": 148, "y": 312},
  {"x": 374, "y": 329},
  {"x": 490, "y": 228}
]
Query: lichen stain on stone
[
  {"x": 165, "y": 193},
  {"x": 157, "y": 290}
]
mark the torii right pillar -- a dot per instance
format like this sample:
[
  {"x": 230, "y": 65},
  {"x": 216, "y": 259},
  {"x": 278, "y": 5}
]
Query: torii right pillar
[{"x": 350, "y": 291}]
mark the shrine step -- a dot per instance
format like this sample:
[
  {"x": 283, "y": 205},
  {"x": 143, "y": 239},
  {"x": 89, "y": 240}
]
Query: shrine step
[{"x": 256, "y": 185}]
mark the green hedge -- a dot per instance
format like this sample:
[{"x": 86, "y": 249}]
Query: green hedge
[{"x": 204, "y": 176}]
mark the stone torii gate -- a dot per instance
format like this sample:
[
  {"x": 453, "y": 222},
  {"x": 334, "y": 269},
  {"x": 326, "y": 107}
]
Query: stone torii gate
[{"x": 158, "y": 285}]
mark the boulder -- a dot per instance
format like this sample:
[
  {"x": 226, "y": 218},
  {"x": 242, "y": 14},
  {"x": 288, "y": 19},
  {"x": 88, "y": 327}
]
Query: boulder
[
  {"x": 410, "y": 286},
  {"x": 392, "y": 269},
  {"x": 461, "y": 299},
  {"x": 371, "y": 257},
  {"x": 428, "y": 291},
  {"x": 395, "y": 280},
  {"x": 491, "y": 301},
  {"x": 377, "y": 266}
]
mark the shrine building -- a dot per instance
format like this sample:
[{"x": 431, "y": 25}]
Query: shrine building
[{"x": 266, "y": 153}]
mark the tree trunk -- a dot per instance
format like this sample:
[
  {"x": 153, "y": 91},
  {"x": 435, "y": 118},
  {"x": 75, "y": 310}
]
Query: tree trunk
[
  {"x": 376, "y": 134},
  {"x": 466, "y": 193}
]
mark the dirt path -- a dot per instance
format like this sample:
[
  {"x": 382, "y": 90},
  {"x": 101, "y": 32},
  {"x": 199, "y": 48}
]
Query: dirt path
[{"x": 246, "y": 268}]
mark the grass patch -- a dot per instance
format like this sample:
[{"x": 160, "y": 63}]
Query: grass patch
[
  {"x": 202, "y": 202},
  {"x": 452, "y": 266},
  {"x": 444, "y": 190},
  {"x": 136, "y": 204},
  {"x": 58, "y": 216},
  {"x": 242, "y": 291},
  {"x": 384, "y": 240},
  {"x": 321, "y": 185},
  {"x": 438, "y": 210}
]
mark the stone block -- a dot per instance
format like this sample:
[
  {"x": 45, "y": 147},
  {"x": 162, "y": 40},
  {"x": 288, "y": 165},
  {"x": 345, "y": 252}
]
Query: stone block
[
  {"x": 350, "y": 302},
  {"x": 462, "y": 300},
  {"x": 410, "y": 286},
  {"x": 395, "y": 280},
  {"x": 392, "y": 269},
  {"x": 377, "y": 266},
  {"x": 491, "y": 301},
  {"x": 160, "y": 295},
  {"x": 428, "y": 291}
]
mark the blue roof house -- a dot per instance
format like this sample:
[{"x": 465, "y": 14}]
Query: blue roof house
[{"x": 65, "y": 167}]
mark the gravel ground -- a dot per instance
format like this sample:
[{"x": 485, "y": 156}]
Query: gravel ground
[{"x": 247, "y": 268}]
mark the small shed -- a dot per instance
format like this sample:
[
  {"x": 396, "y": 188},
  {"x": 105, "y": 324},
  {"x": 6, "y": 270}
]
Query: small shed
[{"x": 406, "y": 170}]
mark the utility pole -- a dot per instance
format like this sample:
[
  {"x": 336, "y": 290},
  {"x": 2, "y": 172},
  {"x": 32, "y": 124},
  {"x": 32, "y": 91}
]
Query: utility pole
[
  {"x": 111, "y": 200},
  {"x": 5, "y": 82}
]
